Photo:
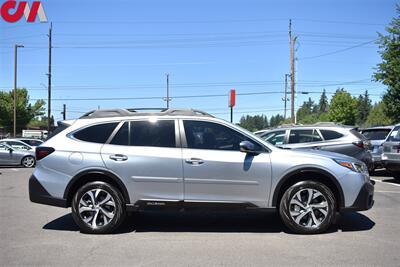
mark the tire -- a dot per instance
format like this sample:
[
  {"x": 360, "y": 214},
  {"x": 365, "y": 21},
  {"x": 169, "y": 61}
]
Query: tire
[
  {"x": 107, "y": 213},
  {"x": 302, "y": 215},
  {"x": 28, "y": 162}
]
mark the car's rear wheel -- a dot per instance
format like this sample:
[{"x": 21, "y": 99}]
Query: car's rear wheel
[
  {"x": 308, "y": 207},
  {"x": 98, "y": 208},
  {"x": 28, "y": 162}
]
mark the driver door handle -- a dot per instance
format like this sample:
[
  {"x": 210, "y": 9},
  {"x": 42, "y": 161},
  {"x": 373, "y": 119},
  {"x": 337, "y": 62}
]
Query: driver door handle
[
  {"x": 118, "y": 157},
  {"x": 194, "y": 161}
]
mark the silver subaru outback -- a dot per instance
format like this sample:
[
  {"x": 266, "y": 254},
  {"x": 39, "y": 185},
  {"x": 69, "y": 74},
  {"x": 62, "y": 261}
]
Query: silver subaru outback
[{"x": 110, "y": 162}]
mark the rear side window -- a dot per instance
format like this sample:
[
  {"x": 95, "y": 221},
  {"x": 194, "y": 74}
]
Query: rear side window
[
  {"x": 330, "y": 134},
  {"x": 160, "y": 133},
  {"x": 380, "y": 134},
  {"x": 97, "y": 133},
  {"x": 304, "y": 136},
  {"x": 122, "y": 136},
  {"x": 32, "y": 142}
]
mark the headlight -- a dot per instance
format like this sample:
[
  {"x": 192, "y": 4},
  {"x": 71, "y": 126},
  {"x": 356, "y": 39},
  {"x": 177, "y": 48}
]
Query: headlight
[{"x": 354, "y": 166}]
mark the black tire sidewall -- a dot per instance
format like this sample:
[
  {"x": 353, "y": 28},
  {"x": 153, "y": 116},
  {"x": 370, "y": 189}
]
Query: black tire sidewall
[
  {"x": 119, "y": 208},
  {"x": 285, "y": 213}
]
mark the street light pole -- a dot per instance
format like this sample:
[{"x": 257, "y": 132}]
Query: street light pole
[{"x": 15, "y": 88}]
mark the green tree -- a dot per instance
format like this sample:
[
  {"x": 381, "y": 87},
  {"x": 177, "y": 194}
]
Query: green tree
[
  {"x": 254, "y": 123},
  {"x": 323, "y": 103},
  {"x": 276, "y": 120},
  {"x": 364, "y": 107},
  {"x": 343, "y": 108},
  {"x": 388, "y": 71},
  {"x": 377, "y": 116},
  {"x": 25, "y": 111},
  {"x": 307, "y": 112}
]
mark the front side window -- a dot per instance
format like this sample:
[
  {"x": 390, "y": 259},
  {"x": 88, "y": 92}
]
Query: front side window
[
  {"x": 98, "y": 133},
  {"x": 275, "y": 138},
  {"x": 160, "y": 133},
  {"x": 208, "y": 135},
  {"x": 304, "y": 136}
]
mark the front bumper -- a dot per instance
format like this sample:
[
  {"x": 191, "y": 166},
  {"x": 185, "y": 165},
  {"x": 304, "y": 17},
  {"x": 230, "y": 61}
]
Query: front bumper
[
  {"x": 38, "y": 194},
  {"x": 364, "y": 200}
]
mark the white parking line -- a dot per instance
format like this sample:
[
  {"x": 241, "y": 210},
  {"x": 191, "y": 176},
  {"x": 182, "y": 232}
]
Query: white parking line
[
  {"x": 393, "y": 192},
  {"x": 379, "y": 181},
  {"x": 14, "y": 169}
]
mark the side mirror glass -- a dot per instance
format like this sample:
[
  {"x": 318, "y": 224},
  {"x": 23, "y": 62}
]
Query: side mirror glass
[{"x": 248, "y": 147}]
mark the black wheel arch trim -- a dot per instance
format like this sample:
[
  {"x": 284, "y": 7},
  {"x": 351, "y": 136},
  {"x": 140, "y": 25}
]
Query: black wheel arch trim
[
  {"x": 110, "y": 175},
  {"x": 285, "y": 178}
]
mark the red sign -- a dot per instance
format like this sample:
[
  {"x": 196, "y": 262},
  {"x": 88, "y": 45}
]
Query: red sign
[
  {"x": 232, "y": 98},
  {"x": 11, "y": 12}
]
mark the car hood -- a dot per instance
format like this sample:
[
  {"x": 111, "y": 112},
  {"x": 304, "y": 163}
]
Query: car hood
[{"x": 320, "y": 153}]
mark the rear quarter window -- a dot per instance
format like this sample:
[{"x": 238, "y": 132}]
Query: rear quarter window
[
  {"x": 330, "y": 134},
  {"x": 98, "y": 133},
  {"x": 394, "y": 135}
]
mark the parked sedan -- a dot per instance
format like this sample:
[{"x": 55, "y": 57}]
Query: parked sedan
[
  {"x": 377, "y": 136},
  {"x": 324, "y": 137},
  {"x": 11, "y": 156},
  {"x": 391, "y": 152}
]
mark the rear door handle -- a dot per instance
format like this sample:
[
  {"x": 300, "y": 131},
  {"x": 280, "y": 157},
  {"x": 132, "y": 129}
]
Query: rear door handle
[
  {"x": 118, "y": 157},
  {"x": 194, "y": 161}
]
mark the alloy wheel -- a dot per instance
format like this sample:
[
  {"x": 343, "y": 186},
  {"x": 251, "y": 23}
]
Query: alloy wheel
[
  {"x": 97, "y": 208},
  {"x": 28, "y": 162},
  {"x": 308, "y": 208}
]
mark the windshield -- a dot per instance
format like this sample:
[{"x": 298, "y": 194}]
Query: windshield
[
  {"x": 394, "y": 135},
  {"x": 378, "y": 134}
]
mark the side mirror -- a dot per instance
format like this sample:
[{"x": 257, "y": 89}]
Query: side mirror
[
  {"x": 11, "y": 149},
  {"x": 248, "y": 147}
]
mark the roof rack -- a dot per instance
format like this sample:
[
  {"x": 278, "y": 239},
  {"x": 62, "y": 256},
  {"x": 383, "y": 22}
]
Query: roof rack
[{"x": 119, "y": 112}]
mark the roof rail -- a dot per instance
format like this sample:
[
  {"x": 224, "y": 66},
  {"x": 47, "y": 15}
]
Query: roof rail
[{"x": 105, "y": 113}]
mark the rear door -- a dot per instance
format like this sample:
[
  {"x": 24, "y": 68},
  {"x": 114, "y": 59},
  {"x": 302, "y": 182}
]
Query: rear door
[
  {"x": 147, "y": 155},
  {"x": 216, "y": 171}
]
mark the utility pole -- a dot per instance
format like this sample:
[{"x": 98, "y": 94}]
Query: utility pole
[
  {"x": 167, "y": 99},
  {"x": 292, "y": 42},
  {"x": 49, "y": 82},
  {"x": 15, "y": 89},
  {"x": 64, "y": 112},
  {"x": 285, "y": 99}
]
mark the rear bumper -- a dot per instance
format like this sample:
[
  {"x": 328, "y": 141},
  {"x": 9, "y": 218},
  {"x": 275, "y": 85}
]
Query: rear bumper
[
  {"x": 38, "y": 194},
  {"x": 364, "y": 200}
]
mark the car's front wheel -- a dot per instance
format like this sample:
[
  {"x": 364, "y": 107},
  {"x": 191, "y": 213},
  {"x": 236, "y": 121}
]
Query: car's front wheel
[
  {"x": 28, "y": 162},
  {"x": 308, "y": 207},
  {"x": 98, "y": 208}
]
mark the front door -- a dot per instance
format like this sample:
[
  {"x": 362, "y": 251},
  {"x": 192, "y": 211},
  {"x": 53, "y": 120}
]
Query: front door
[
  {"x": 216, "y": 171},
  {"x": 146, "y": 155}
]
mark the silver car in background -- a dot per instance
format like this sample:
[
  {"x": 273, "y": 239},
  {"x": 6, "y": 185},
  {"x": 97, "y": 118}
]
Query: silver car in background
[
  {"x": 322, "y": 137},
  {"x": 13, "y": 157},
  {"x": 109, "y": 162},
  {"x": 376, "y": 135},
  {"x": 17, "y": 144},
  {"x": 391, "y": 152}
]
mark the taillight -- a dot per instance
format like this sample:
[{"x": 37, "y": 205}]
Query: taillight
[
  {"x": 360, "y": 144},
  {"x": 43, "y": 151}
]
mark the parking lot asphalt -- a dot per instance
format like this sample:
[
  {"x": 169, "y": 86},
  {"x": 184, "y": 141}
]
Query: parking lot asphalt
[{"x": 33, "y": 234}]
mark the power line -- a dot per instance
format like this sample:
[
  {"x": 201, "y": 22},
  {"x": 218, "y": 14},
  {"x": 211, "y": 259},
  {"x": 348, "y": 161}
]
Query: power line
[{"x": 338, "y": 51}]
